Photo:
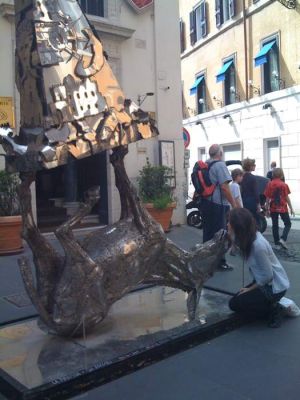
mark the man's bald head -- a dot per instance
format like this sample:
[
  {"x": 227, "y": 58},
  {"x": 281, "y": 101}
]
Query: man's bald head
[{"x": 215, "y": 151}]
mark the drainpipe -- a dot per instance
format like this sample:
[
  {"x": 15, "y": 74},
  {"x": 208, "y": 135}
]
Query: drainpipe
[{"x": 245, "y": 50}]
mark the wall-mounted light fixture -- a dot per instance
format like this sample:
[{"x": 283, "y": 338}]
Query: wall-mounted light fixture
[
  {"x": 142, "y": 97},
  {"x": 266, "y": 106},
  {"x": 234, "y": 92},
  {"x": 218, "y": 101},
  {"x": 226, "y": 116},
  {"x": 192, "y": 110},
  {"x": 255, "y": 89},
  {"x": 199, "y": 123}
]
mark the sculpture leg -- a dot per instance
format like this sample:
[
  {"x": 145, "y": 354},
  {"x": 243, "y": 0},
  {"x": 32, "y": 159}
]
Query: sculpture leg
[
  {"x": 34, "y": 296},
  {"x": 73, "y": 250},
  {"x": 48, "y": 262},
  {"x": 129, "y": 200},
  {"x": 193, "y": 302}
]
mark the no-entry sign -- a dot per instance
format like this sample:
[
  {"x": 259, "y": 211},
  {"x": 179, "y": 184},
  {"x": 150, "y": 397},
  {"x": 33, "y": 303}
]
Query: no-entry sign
[{"x": 186, "y": 137}]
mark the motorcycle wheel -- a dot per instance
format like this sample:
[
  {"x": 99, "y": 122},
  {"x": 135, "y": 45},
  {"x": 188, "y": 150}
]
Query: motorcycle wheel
[
  {"x": 195, "y": 219},
  {"x": 261, "y": 223}
]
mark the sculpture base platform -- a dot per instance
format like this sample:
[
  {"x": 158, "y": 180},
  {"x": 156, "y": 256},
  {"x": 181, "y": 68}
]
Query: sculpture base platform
[{"x": 143, "y": 327}]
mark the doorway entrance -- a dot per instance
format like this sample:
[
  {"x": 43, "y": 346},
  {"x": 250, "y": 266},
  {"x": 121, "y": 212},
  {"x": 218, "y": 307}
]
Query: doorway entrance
[{"x": 59, "y": 192}]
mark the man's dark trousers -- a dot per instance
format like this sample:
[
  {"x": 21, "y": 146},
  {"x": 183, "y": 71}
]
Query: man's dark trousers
[
  {"x": 214, "y": 218},
  {"x": 275, "y": 227}
]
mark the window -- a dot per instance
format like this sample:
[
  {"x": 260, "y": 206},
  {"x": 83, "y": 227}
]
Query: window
[
  {"x": 93, "y": 7},
  {"x": 227, "y": 74},
  {"x": 232, "y": 152},
  {"x": 225, "y": 9},
  {"x": 201, "y": 154},
  {"x": 198, "y": 23},
  {"x": 199, "y": 89},
  {"x": 272, "y": 153},
  {"x": 182, "y": 35},
  {"x": 270, "y": 69},
  {"x": 229, "y": 86},
  {"x": 201, "y": 96}
]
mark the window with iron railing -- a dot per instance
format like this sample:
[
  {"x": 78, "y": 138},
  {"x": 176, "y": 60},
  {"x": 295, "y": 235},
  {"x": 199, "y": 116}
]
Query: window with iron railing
[{"x": 93, "y": 7}]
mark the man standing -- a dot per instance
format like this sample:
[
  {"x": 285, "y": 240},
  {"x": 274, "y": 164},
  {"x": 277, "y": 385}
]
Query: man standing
[
  {"x": 216, "y": 207},
  {"x": 270, "y": 173},
  {"x": 277, "y": 194}
]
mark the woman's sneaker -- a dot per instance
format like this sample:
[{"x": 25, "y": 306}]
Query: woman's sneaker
[{"x": 283, "y": 243}]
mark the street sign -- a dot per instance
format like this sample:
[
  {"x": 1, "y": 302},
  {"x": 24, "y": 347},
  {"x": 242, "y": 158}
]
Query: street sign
[
  {"x": 186, "y": 137},
  {"x": 7, "y": 111}
]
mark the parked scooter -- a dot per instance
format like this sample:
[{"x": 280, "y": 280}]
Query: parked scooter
[{"x": 195, "y": 217}]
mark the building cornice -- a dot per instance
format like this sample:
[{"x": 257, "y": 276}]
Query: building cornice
[
  {"x": 253, "y": 9},
  {"x": 103, "y": 25},
  {"x": 237, "y": 107},
  {"x": 7, "y": 10}
]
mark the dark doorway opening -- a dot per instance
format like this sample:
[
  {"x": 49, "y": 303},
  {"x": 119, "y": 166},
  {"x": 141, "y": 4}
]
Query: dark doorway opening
[{"x": 59, "y": 191}]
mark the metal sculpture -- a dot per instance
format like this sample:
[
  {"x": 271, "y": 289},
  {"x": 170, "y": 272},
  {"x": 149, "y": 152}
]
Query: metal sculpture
[
  {"x": 72, "y": 106},
  {"x": 290, "y": 4},
  {"x": 71, "y": 103}
]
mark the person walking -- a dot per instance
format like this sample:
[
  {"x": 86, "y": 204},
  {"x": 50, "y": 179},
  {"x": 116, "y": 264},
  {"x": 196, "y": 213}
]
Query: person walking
[
  {"x": 249, "y": 188},
  {"x": 237, "y": 177},
  {"x": 277, "y": 194},
  {"x": 216, "y": 207},
  {"x": 270, "y": 172},
  {"x": 260, "y": 298}
]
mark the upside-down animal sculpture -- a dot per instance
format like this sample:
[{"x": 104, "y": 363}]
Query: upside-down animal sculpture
[{"x": 72, "y": 106}]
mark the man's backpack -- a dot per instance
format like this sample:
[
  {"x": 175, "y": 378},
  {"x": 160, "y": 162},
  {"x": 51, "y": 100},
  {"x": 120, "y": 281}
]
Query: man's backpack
[{"x": 201, "y": 180}]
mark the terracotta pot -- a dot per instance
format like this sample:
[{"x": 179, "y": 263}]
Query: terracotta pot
[
  {"x": 10, "y": 235},
  {"x": 162, "y": 216}
]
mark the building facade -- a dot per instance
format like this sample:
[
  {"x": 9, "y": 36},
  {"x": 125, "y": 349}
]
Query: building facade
[
  {"x": 146, "y": 61},
  {"x": 241, "y": 82}
]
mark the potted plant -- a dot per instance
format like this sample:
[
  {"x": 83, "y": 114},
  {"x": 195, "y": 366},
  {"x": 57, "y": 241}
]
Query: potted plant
[
  {"x": 156, "y": 193},
  {"x": 10, "y": 218}
]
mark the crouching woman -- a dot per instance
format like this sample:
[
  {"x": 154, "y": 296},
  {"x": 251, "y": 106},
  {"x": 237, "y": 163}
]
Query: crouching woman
[{"x": 260, "y": 298}]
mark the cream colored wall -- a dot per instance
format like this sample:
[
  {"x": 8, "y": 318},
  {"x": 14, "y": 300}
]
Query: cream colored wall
[
  {"x": 272, "y": 17},
  {"x": 150, "y": 62},
  {"x": 6, "y": 64}
]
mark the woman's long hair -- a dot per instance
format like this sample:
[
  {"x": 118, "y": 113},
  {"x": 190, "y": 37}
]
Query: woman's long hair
[{"x": 244, "y": 228}]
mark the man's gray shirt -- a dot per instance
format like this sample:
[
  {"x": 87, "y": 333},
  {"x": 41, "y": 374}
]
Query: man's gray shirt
[{"x": 219, "y": 174}]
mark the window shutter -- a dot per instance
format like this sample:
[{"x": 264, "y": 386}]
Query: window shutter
[
  {"x": 218, "y": 7},
  {"x": 182, "y": 35},
  {"x": 192, "y": 27},
  {"x": 231, "y": 8},
  {"x": 203, "y": 19}
]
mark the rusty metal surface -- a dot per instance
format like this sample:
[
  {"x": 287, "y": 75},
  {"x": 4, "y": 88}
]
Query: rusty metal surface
[{"x": 70, "y": 99}]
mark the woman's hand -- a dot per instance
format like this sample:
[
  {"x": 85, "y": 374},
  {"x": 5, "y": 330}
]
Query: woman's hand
[
  {"x": 244, "y": 290},
  {"x": 292, "y": 212}
]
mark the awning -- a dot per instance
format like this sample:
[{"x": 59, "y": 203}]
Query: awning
[
  {"x": 261, "y": 57},
  {"x": 222, "y": 73},
  {"x": 197, "y": 82}
]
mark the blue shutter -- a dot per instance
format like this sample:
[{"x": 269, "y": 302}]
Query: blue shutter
[
  {"x": 231, "y": 8},
  {"x": 192, "y": 27},
  {"x": 203, "y": 21},
  {"x": 218, "y": 6}
]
